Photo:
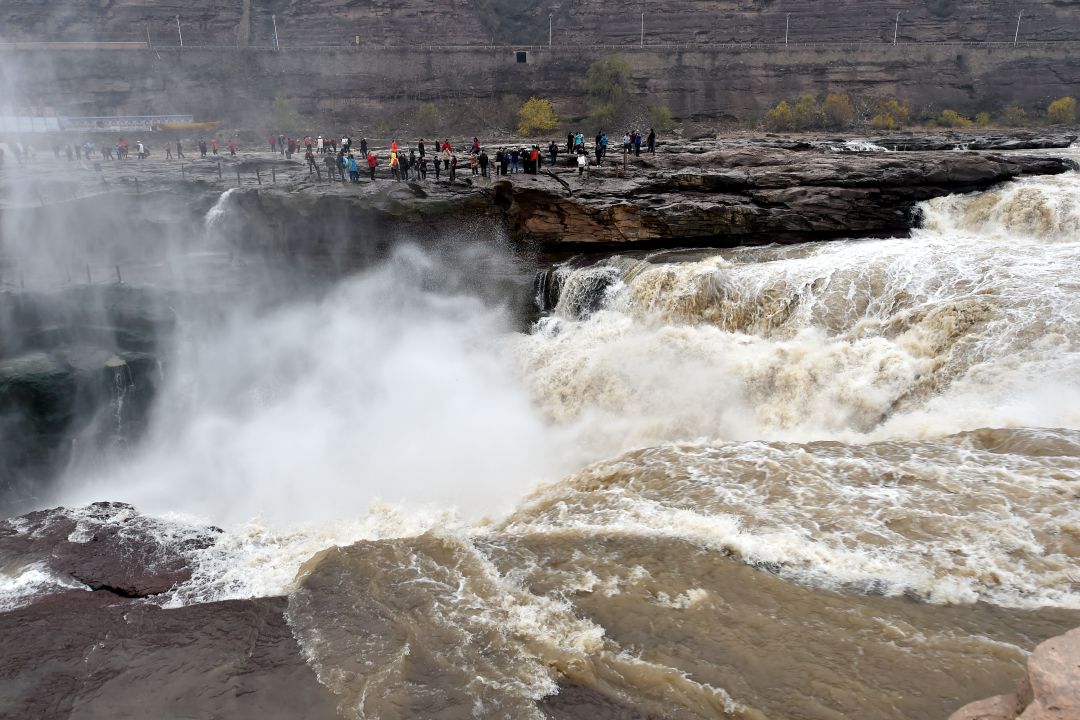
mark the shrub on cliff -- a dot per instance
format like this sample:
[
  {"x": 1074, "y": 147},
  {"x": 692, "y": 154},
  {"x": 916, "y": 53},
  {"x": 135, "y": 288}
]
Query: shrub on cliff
[
  {"x": 890, "y": 115},
  {"x": 660, "y": 118},
  {"x": 1014, "y": 116},
  {"x": 983, "y": 119},
  {"x": 536, "y": 115},
  {"x": 608, "y": 86},
  {"x": 838, "y": 111},
  {"x": 285, "y": 117},
  {"x": 1062, "y": 111},
  {"x": 807, "y": 114},
  {"x": 952, "y": 119},
  {"x": 781, "y": 117},
  {"x": 426, "y": 119}
]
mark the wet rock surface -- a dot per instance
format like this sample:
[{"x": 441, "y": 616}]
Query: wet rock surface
[
  {"x": 105, "y": 546},
  {"x": 80, "y": 656},
  {"x": 90, "y": 646}
]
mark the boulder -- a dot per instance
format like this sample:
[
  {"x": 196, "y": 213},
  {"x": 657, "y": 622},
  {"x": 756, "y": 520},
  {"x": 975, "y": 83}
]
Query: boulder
[
  {"x": 105, "y": 546},
  {"x": 1054, "y": 677},
  {"x": 1049, "y": 691}
]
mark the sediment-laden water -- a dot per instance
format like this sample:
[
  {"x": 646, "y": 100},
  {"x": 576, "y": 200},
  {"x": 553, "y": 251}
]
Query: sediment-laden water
[{"x": 819, "y": 481}]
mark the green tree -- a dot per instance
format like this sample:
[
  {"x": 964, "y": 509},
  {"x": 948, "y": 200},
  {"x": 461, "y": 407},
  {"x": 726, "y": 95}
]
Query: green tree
[
  {"x": 781, "y": 117},
  {"x": 838, "y": 111},
  {"x": 890, "y": 115},
  {"x": 285, "y": 116},
  {"x": 660, "y": 118},
  {"x": 983, "y": 119},
  {"x": 608, "y": 85},
  {"x": 536, "y": 115},
  {"x": 1062, "y": 111},
  {"x": 953, "y": 119},
  {"x": 426, "y": 119},
  {"x": 1014, "y": 116},
  {"x": 807, "y": 114}
]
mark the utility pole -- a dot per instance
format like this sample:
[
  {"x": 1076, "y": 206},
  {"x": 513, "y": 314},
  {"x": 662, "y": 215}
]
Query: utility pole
[
  {"x": 549, "y": 31},
  {"x": 1017, "y": 35},
  {"x": 787, "y": 28},
  {"x": 178, "y": 32},
  {"x": 273, "y": 19},
  {"x": 896, "y": 28}
]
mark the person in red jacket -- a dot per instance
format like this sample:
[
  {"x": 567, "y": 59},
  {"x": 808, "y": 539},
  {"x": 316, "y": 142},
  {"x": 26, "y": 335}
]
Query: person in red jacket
[
  {"x": 372, "y": 161},
  {"x": 273, "y": 143},
  {"x": 232, "y": 147},
  {"x": 213, "y": 145}
]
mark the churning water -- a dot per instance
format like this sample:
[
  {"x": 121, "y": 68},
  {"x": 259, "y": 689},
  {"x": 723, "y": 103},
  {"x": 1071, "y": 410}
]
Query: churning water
[{"x": 816, "y": 481}]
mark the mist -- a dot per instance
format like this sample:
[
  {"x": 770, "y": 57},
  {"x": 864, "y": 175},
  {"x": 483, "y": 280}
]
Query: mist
[{"x": 387, "y": 388}]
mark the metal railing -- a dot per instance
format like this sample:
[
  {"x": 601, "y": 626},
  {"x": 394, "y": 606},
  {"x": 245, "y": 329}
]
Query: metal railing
[{"x": 627, "y": 47}]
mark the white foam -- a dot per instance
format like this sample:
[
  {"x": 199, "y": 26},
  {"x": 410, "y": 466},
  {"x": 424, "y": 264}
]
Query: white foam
[{"x": 20, "y": 588}]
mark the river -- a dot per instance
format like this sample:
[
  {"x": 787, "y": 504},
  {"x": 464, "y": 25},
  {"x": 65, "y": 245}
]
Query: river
[{"x": 822, "y": 481}]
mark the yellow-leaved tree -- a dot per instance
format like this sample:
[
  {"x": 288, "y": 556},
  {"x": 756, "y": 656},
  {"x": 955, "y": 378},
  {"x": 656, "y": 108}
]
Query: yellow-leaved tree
[{"x": 537, "y": 115}]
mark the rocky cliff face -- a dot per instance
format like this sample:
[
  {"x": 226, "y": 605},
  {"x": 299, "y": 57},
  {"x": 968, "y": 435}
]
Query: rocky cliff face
[
  {"x": 380, "y": 90},
  {"x": 413, "y": 22}
]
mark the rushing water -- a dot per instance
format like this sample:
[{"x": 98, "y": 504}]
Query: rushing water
[{"x": 817, "y": 481}]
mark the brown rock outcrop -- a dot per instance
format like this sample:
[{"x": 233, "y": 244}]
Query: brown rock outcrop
[
  {"x": 105, "y": 546},
  {"x": 753, "y": 194},
  {"x": 1049, "y": 691}
]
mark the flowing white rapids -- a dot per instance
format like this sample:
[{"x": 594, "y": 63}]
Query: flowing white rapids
[
  {"x": 973, "y": 322},
  {"x": 733, "y": 366}
]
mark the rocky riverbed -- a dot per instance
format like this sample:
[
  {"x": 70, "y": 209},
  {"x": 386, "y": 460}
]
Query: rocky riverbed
[{"x": 705, "y": 192}]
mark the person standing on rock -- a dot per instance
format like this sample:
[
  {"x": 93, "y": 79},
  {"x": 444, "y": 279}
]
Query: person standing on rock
[
  {"x": 179, "y": 150},
  {"x": 319, "y": 148},
  {"x": 363, "y": 146},
  {"x": 515, "y": 154},
  {"x": 436, "y": 166},
  {"x": 328, "y": 161},
  {"x": 453, "y": 168},
  {"x": 422, "y": 149},
  {"x": 422, "y": 165},
  {"x": 637, "y": 143},
  {"x": 168, "y": 151},
  {"x": 273, "y": 144},
  {"x": 372, "y": 161},
  {"x": 484, "y": 162},
  {"x": 232, "y": 147},
  {"x": 569, "y": 142},
  {"x": 214, "y": 146},
  {"x": 310, "y": 158},
  {"x": 446, "y": 156},
  {"x": 553, "y": 151},
  {"x": 651, "y": 142}
]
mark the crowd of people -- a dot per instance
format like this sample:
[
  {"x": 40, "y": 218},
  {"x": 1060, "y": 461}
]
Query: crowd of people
[{"x": 343, "y": 158}]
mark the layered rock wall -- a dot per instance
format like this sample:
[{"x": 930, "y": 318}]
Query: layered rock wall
[{"x": 365, "y": 88}]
